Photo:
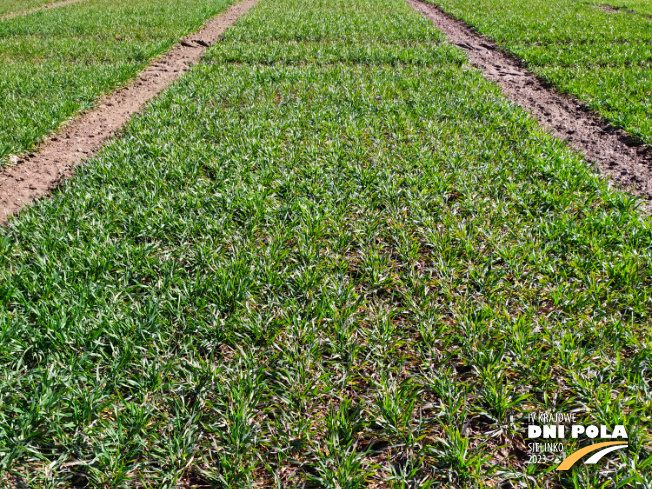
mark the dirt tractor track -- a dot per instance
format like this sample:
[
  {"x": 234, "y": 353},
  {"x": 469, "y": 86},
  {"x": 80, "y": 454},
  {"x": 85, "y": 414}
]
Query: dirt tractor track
[
  {"x": 613, "y": 151},
  {"x": 35, "y": 174},
  {"x": 36, "y": 9}
]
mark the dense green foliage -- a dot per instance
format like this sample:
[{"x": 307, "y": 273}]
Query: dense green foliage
[
  {"x": 55, "y": 63},
  {"x": 332, "y": 255},
  {"x": 603, "y": 58}
]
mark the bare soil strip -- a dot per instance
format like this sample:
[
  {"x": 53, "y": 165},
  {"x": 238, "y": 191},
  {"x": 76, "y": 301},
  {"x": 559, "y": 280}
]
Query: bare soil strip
[
  {"x": 625, "y": 159},
  {"x": 609, "y": 8},
  {"x": 621, "y": 10},
  {"x": 35, "y": 174},
  {"x": 36, "y": 9}
]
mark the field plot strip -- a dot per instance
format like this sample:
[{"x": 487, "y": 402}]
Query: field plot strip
[
  {"x": 36, "y": 9},
  {"x": 39, "y": 172},
  {"x": 615, "y": 153}
]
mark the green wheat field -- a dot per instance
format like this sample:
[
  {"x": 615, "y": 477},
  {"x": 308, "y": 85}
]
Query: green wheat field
[{"x": 332, "y": 255}]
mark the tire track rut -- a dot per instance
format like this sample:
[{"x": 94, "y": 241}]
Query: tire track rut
[
  {"x": 36, "y": 9},
  {"x": 615, "y": 153},
  {"x": 34, "y": 175}
]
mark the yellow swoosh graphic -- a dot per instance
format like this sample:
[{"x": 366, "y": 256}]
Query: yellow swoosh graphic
[{"x": 570, "y": 461}]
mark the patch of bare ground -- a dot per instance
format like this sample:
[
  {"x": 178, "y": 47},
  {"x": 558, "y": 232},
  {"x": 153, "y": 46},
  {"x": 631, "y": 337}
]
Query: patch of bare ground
[
  {"x": 614, "y": 152},
  {"x": 34, "y": 175},
  {"x": 36, "y": 9},
  {"x": 621, "y": 10},
  {"x": 608, "y": 8}
]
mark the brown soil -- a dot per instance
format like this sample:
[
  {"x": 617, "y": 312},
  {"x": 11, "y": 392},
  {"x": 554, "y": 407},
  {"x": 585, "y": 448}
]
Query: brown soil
[
  {"x": 622, "y": 10},
  {"x": 614, "y": 152},
  {"x": 34, "y": 175},
  {"x": 36, "y": 9},
  {"x": 608, "y": 8}
]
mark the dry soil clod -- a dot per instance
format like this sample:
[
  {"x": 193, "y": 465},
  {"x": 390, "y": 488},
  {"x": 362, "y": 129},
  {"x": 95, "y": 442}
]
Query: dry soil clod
[
  {"x": 614, "y": 152},
  {"x": 28, "y": 179}
]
